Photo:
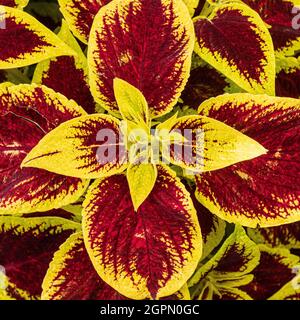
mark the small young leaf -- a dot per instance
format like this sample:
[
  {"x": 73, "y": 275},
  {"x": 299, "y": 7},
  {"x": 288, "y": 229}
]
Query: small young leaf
[
  {"x": 141, "y": 180},
  {"x": 131, "y": 102}
]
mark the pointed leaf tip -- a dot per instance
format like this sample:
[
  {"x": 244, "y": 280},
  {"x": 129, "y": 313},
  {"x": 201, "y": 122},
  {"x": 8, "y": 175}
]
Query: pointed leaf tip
[
  {"x": 141, "y": 180},
  {"x": 131, "y": 102},
  {"x": 32, "y": 42}
]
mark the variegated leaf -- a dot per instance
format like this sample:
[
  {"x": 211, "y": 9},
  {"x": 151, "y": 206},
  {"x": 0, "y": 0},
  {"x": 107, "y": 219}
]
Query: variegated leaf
[
  {"x": 25, "y": 41},
  {"x": 273, "y": 276},
  {"x": 80, "y": 15},
  {"x": 229, "y": 269},
  {"x": 28, "y": 112},
  {"x": 71, "y": 276},
  {"x": 212, "y": 227},
  {"x": 285, "y": 236},
  {"x": 282, "y": 19},
  {"x": 221, "y": 42},
  {"x": 288, "y": 77},
  {"x": 14, "y": 3},
  {"x": 92, "y": 145},
  {"x": 263, "y": 191},
  {"x": 209, "y": 145},
  {"x": 145, "y": 254},
  {"x": 153, "y": 57},
  {"x": 26, "y": 249},
  {"x": 67, "y": 75}
]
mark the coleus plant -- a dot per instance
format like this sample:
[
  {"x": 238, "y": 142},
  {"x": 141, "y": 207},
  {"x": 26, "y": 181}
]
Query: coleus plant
[{"x": 150, "y": 158}]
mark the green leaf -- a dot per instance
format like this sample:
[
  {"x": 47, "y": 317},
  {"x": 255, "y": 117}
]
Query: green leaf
[
  {"x": 131, "y": 102},
  {"x": 141, "y": 179}
]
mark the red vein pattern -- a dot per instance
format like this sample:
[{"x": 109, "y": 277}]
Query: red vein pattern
[
  {"x": 144, "y": 250},
  {"x": 264, "y": 190},
  {"x": 63, "y": 76},
  {"x": 26, "y": 249},
  {"x": 152, "y": 53},
  {"x": 278, "y": 14},
  {"x": 31, "y": 112}
]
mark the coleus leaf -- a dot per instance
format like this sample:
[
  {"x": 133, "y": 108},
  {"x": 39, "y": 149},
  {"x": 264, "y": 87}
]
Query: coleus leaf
[
  {"x": 273, "y": 275},
  {"x": 14, "y": 3},
  {"x": 288, "y": 292},
  {"x": 75, "y": 208},
  {"x": 222, "y": 276},
  {"x": 132, "y": 104},
  {"x": 141, "y": 179},
  {"x": 29, "y": 41},
  {"x": 80, "y": 15},
  {"x": 26, "y": 249},
  {"x": 280, "y": 16},
  {"x": 125, "y": 43},
  {"x": 28, "y": 112},
  {"x": 71, "y": 276},
  {"x": 288, "y": 77},
  {"x": 286, "y": 236},
  {"x": 282, "y": 19},
  {"x": 251, "y": 65},
  {"x": 145, "y": 254},
  {"x": 263, "y": 191},
  {"x": 212, "y": 228},
  {"x": 210, "y": 145},
  {"x": 70, "y": 212},
  {"x": 92, "y": 144},
  {"x": 67, "y": 75}
]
